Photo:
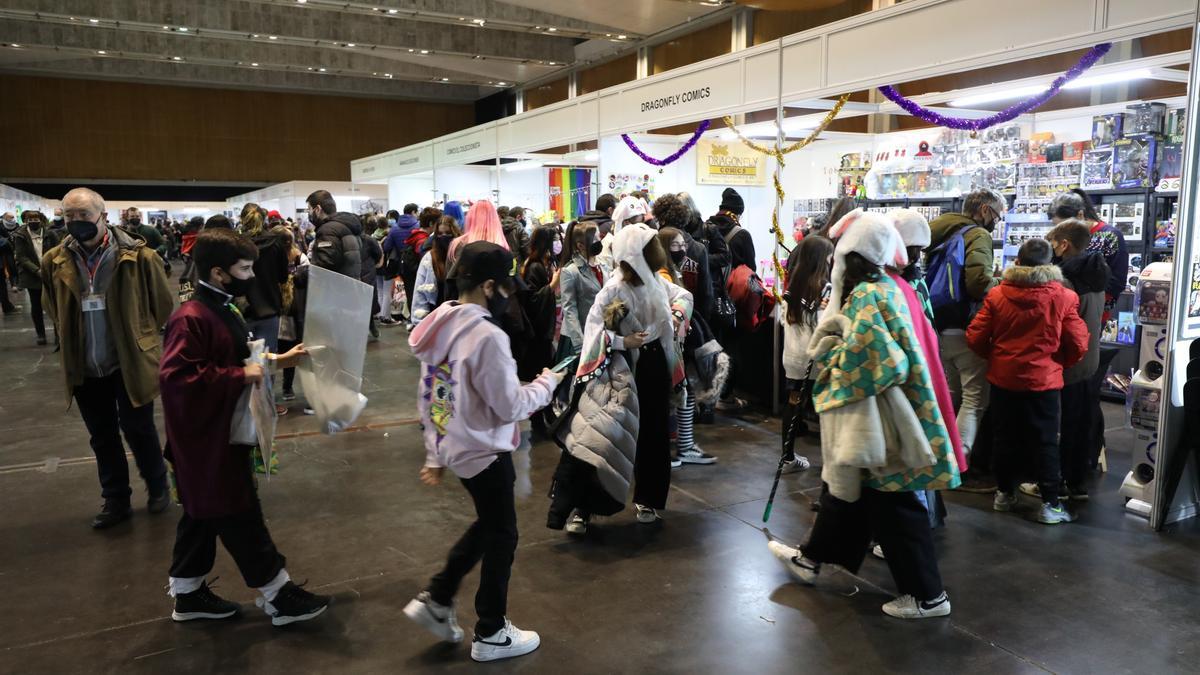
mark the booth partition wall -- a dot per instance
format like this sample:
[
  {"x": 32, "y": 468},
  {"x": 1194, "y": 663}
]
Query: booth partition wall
[{"x": 1141, "y": 175}]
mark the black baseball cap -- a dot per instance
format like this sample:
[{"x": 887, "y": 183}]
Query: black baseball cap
[{"x": 480, "y": 261}]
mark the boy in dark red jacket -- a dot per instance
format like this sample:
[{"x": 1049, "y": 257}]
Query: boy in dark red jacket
[{"x": 1029, "y": 330}]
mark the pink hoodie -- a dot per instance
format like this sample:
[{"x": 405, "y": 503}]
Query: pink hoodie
[
  {"x": 929, "y": 345},
  {"x": 469, "y": 396}
]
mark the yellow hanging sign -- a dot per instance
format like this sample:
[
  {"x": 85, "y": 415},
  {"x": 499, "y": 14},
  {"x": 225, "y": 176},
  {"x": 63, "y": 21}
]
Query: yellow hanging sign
[{"x": 729, "y": 163}]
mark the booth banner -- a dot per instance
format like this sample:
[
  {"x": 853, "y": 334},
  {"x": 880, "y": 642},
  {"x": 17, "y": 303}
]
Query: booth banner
[
  {"x": 729, "y": 163},
  {"x": 570, "y": 192}
]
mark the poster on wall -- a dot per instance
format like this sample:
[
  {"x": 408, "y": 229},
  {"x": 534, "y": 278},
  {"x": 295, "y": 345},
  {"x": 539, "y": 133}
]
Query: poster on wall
[
  {"x": 729, "y": 163},
  {"x": 621, "y": 184},
  {"x": 570, "y": 192}
]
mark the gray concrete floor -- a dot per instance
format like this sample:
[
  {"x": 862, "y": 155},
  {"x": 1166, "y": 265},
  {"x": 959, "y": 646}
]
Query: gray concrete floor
[{"x": 697, "y": 593}]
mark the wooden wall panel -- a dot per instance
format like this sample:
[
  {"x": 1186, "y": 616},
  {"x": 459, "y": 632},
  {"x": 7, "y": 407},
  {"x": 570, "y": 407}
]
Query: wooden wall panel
[
  {"x": 543, "y": 95},
  {"x": 608, "y": 74},
  {"x": 772, "y": 25},
  {"x": 703, "y": 44},
  {"x": 125, "y": 130}
]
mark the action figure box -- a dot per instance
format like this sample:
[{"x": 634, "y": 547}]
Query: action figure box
[
  {"x": 1107, "y": 129},
  {"x": 1073, "y": 151},
  {"x": 1037, "y": 146},
  {"x": 1097, "y": 169},
  {"x": 1054, "y": 152},
  {"x": 1133, "y": 164},
  {"x": 1145, "y": 118},
  {"x": 1176, "y": 125},
  {"x": 1170, "y": 167},
  {"x": 1129, "y": 218}
]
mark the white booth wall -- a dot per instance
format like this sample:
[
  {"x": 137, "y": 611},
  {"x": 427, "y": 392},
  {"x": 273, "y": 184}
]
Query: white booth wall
[
  {"x": 417, "y": 190},
  {"x": 529, "y": 189}
]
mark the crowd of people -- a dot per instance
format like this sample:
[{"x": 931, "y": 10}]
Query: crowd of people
[{"x": 614, "y": 334}]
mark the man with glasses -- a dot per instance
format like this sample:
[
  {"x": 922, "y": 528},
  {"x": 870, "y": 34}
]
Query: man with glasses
[
  {"x": 965, "y": 371},
  {"x": 107, "y": 295}
]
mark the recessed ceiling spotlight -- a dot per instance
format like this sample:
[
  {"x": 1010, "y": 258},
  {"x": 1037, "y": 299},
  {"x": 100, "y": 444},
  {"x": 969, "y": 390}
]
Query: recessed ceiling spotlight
[
  {"x": 272, "y": 37},
  {"x": 310, "y": 67},
  {"x": 393, "y": 11},
  {"x": 183, "y": 29},
  {"x": 411, "y": 51},
  {"x": 445, "y": 79},
  {"x": 101, "y": 51},
  {"x": 254, "y": 35},
  {"x": 93, "y": 20},
  {"x": 424, "y": 51},
  {"x": 479, "y": 21},
  {"x": 351, "y": 44},
  {"x": 166, "y": 28},
  {"x": 301, "y": 2},
  {"x": 387, "y": 74},
  {"x": 462, "y": 18},
  {"x": 176, "y": 58},
  {"x": 537, "y": 27},
  {"x": 502, "y": 83},
  {"x": 608, "y": 35},
  {"x": 552, "y": 29},
  {"x": 620, "y": 37},
  {"x": 15, "y": 45},
  {"x": 553, "y": 63},
  {"x": 254, "y": 64},
  {"x": 321, "y": 69}
]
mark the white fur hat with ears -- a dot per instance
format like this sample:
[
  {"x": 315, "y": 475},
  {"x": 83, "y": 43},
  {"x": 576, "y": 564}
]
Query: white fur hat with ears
[
  {"x": 870, "y": 235},
  {"x": 912, "y": 226},
  {"x": 629, "y": 207}
]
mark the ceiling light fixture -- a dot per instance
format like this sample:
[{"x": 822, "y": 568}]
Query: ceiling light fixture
[
  {"x": 182, "y": 29},
  {"x": 176, "y": 58},
  {"x": 445, "y": 79},
  {"x": 387, "y": 74},
  {"x": 351, "y": 44},
  {"x": 1003, "y": 94},
  {"x": 620, "y": 37},
  {"x": 15, "y": 45},
  {"x": 101, "y": 51},
  {"x": 272, "y": 37},
  {"x": 393, "y": 11},
  {"x": 321, "y": 69},
  {"x": 552, "y": 29},
  {"x": 502, "y": 84},
  {"x": 166, "y": 28},
  {"x": 553, "y": 63},
  {"x": 93, "y": 20},
  {"x": 254, "y": 64},
  {"x": 424, "y": 51},
  {"x": 411, "y": 51}
]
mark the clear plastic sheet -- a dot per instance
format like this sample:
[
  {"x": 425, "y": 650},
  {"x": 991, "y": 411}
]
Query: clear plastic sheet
[{"x": 336, "y": 318}]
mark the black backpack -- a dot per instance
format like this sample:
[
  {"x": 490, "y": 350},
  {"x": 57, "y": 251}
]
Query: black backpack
[{"x": 409, "y": 261}]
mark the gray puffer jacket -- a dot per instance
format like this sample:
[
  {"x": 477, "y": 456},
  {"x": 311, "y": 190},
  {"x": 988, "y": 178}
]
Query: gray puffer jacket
[
  {"x": 603, "y": 431},
  {"x": 1087, "y": 275}
]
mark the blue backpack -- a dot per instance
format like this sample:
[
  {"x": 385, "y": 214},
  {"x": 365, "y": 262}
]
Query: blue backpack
[{"x": 944, "y": 274}]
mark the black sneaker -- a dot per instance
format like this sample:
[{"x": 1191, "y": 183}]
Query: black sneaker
[
  {"x": 159, "y": 503},
  {"x": 289, "y": 395},
  {"x": 1075, "y": 494},
  {"x": 112, "y": 513},
  {"x": 202, "y": 603},
  {"x": 293, "y": 604}
]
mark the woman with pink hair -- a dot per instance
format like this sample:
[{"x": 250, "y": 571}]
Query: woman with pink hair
[{"x": 483, "y": 224}]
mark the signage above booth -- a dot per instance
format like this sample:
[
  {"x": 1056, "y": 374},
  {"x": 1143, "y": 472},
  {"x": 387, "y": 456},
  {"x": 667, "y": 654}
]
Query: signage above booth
[
  {"x": 473, "y": 146},
  {"x": 729, "y": 163},
  {"x": 659, "y": 102}
]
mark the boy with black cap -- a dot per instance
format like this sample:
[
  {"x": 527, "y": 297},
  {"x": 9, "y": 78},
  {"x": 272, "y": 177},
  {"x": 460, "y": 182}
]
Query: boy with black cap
[
  {"x": 728, "y": 222},
  {"x": 470, "y": 402}
]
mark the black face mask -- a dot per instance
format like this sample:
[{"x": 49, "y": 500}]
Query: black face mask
[
  {"x": 134, "y": 222},
  {"x": 678, "y": 257},
  {"x": 238, "y": 288},
  {"x": 83, "y": 230},
  {"x": 595, "y": 248},
  {"x": 497, "y": 305}
]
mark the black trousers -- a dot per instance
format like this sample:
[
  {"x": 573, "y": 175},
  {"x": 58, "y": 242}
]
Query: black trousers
[
  {"x": 1107, "y": 354},
  {"x": 898, "y": 521},
  {"x": 492, "y": 538},
  {"x": 652, "y": 464},
  {"x": 1026, "y": 431},
  {"x": 35, "y": 311},
  {"x": 1077, "y": 431},
  {"x": 107, "y": 412},
  {"x": 8, "y": 274},
  {"x": 243, "y": 534}
]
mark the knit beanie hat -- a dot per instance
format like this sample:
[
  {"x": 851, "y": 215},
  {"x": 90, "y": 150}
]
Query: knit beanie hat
[
  {"x": 870, "y": 235},
  {"x": 731, "y": 201},
  {"x": 912, "y": 226}
]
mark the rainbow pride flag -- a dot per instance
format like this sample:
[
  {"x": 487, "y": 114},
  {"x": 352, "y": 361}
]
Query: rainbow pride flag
[{"x": 570, "y": 192}]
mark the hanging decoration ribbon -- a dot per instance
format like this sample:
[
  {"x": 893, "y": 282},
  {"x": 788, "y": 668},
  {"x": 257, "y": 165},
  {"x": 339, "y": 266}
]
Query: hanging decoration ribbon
[
  {"x": 1008, "y": 114},
  {"x": 778, "y": 153},
  {"x": 691, "y": 142}
]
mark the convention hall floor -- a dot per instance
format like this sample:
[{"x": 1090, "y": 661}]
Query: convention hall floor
[{"x": 697, "y": 593}]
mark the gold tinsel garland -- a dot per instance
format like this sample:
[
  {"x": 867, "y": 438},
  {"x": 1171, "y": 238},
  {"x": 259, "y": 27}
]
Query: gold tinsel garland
[{"x": 778, "y": 153}]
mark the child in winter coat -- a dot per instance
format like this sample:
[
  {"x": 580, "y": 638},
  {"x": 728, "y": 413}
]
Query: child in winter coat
[
  {"x": 470, "y": 403},
  {"x": 883, "y": 437},
  {"x": 807, "y": 294},
  {"x": 1086, "y": 273},
  {"x": 1029, "y": 330}
]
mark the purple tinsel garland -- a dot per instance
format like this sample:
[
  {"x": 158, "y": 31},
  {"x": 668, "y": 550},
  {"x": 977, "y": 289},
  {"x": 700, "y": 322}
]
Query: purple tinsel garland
[
  {"x": 673, "y": 156},
  {"x": 1006, "y": 115}
]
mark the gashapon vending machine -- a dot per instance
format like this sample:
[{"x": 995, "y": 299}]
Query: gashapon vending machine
[{"x": 1143, "y": 404}]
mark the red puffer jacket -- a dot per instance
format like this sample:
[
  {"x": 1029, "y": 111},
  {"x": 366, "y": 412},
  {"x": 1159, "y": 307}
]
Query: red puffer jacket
[{"x": 1029, "y": 330}]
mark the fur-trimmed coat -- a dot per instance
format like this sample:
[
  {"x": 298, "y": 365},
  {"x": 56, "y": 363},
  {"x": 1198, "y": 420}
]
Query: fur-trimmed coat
[{"x": 1029, "y": 330}]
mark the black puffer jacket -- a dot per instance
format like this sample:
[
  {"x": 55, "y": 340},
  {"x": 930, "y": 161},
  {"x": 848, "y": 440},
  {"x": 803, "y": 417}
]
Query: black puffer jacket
[
  {"x": 718, "y": 251},
  {"x": 741, "y": 246},
  {"x": 337, "y": 245}
]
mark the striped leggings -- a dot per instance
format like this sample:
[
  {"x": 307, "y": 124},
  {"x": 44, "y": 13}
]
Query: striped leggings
[{"x": 685, "y": 418}]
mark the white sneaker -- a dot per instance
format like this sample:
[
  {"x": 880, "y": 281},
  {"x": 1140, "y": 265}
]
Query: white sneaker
[
  {"x": 877, "y": 551},
  {"x": 676, "y": 462},
  {"x": 508, "y": 642},
  {"x": 577, "y": 524},
  {"x": 803, "y": 570},
  {"x": 696, "y": 456},
  {"x": 796, "y": 465},
  {"x": 907, "y": 607},
  {"x": 437, "y": 619},
  {"x": 645, "y": 514},
  {"x": 1004, "y": 501},
  {"x": 1031, "y": 489}
]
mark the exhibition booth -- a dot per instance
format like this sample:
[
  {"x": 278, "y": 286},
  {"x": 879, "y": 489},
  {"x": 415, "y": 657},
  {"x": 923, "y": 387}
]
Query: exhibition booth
[
  {"x": 1134, "y": 155},
  {"x": 15, "y": 201},
  {"x": 289, "y": 198}
]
